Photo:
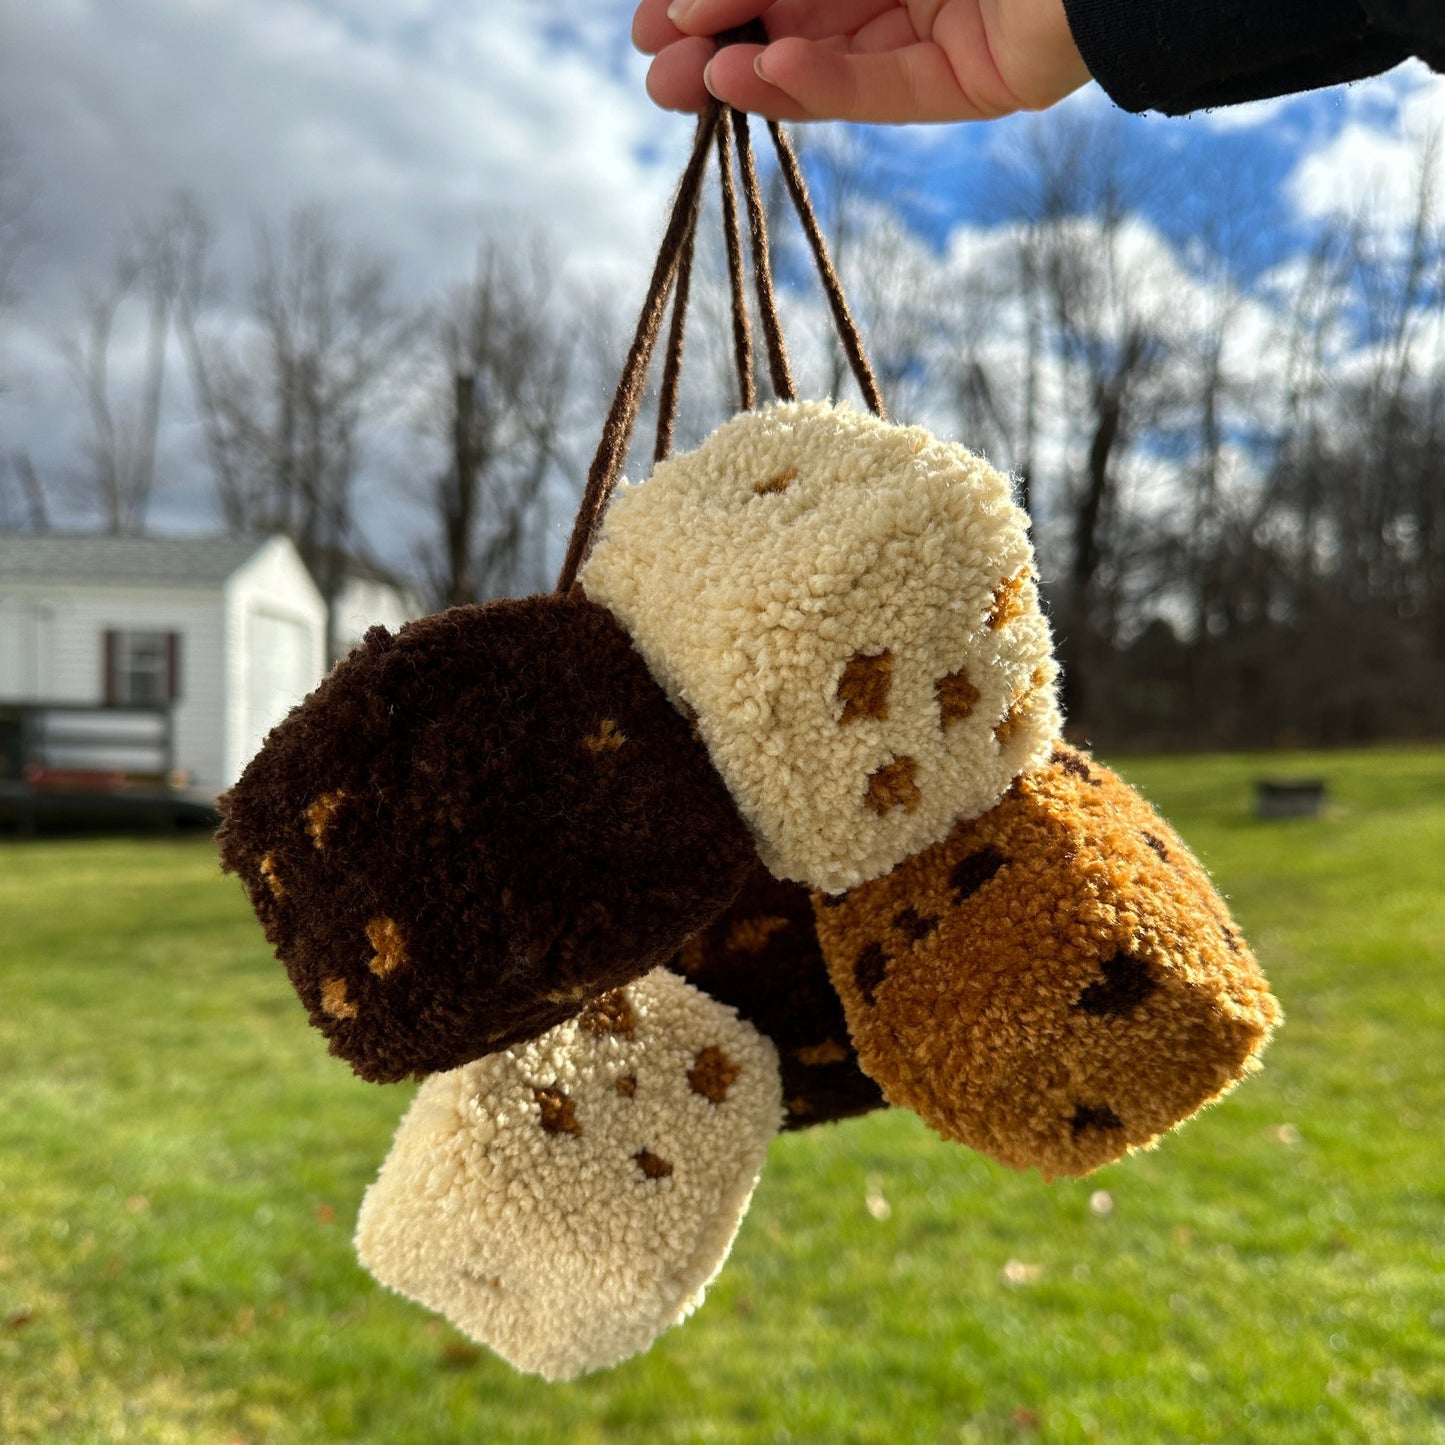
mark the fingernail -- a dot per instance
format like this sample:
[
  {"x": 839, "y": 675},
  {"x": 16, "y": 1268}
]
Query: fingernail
[
  {"x": 677, "y": 11},
  {"x": 707, "y": 81},
  {"x": 760, "y": 66}
]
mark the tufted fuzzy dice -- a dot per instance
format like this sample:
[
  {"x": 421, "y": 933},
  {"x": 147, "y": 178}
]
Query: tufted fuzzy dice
[
  {"x": 566, "y": 1201},
  {"x": 472, "y": 828},
  {"x": 848, "y": 609},
  {"x": 1054, "y": 983},
  {"x": 762, "y": 958}
]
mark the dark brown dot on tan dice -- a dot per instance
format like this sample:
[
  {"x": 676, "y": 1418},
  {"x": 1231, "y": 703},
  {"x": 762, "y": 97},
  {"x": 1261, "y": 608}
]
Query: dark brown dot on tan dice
[
  {"x": 1231, "y": 939},
  {"x": 971, "y": 873},
  {"x": 915, "y": 925},
  {"x": 609, "y": 1013},
  {"x": 779, "y": 482},
  {"x": 870, "y": 969},
  {"x": 627, "y": 1086},
  {"x": 1093, "y": 1116},
  {"x": 1075, "y": 766},
  {"x": 1157, "y": 844},
  {"x": 956, "y": 696},
  {"x": 651, "y": 1164},
  {"x": 894, "y": 785},
  {"x": 559, "y": 1114},
  {"x": 712, "y": 1074},
  {"x": 863, "y": 688},
  {"x": 1124, "y": 983}
]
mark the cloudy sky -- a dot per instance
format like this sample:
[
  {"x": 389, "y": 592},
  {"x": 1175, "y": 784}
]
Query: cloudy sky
[{"x": 422, "y": 124}]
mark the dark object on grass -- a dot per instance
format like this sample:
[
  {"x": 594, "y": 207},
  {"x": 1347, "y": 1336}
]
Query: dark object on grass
[
  {"x": 762, "y": 958},
  {"x": 1289, "y": 797},
  {"x": 471, "y": 829}
]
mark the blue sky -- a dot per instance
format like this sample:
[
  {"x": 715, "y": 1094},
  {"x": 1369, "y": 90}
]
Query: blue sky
[{"x": 423, "y": 124}]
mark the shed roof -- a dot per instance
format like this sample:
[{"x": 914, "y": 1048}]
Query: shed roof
[{"x": 124, "y": 561}]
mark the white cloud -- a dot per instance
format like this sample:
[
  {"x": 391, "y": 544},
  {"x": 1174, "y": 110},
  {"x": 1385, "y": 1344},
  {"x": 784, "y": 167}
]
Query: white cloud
[{"x": 1372, "y": 167}]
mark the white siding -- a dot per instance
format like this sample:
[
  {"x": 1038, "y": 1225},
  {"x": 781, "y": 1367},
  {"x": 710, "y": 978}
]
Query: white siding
[
  {"x": 364, "y": 603},
  {"x": 275, "y": 631},
  {"x": 52, "y": 649}
]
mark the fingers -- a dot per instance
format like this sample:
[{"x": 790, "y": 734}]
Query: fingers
[
  {"x": 675, "y": 81},
  {"x": 710, "y": 17},
  {"x": 913, "y": 83},
  {"x": 731, "y": 76},
  {"x": 652, "y": 31}
]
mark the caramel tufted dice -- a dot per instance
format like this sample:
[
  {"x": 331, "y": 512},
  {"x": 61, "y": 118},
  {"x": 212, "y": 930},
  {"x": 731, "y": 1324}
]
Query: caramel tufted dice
[{"x": 1054, "y": 983}]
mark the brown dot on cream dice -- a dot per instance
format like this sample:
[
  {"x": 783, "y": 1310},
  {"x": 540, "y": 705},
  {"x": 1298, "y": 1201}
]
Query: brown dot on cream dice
[
  {"x": 861, "y": 647},
  {"x": 1056, "y": 982},
  {"x": 565, "y": 1201}
]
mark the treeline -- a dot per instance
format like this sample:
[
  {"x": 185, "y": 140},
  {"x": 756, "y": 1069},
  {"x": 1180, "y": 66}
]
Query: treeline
[{"x": 1232, "y": 464}]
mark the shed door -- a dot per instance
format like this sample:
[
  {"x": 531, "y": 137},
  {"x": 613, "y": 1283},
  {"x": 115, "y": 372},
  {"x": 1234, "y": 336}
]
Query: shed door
[{"x": 279, "y": 672}]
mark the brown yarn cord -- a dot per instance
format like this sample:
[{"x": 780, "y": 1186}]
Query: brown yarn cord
[
  {"x": 672, "y": 368},
  {"x": 622, "y": 418},
  {"x": 672, "y": 278},
  {"x": 732, "y": 233},
  {"x": 848, "y": 332},
  {"x": 782, "y": 374}
]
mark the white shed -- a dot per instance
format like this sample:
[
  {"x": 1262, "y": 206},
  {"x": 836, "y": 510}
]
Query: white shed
[{"x": 229, "y": 632}]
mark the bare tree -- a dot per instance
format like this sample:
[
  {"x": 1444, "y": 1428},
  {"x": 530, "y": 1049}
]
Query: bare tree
[
  {"x": 287, "y": 403},
  {"x": 124, "y": 413},
  {"x": 16, "y": 226},
  {"x": 498, "y": 400}
]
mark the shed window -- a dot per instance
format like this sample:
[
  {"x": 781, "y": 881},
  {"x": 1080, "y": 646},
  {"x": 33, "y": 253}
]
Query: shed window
[{"x": 142, "y": 669}]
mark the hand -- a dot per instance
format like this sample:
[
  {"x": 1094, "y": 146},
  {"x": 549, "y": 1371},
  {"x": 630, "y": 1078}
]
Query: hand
[{"x": 863, "y": 60}]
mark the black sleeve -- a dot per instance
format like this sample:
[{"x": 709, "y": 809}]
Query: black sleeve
[{"x": 1181, "y": 55}]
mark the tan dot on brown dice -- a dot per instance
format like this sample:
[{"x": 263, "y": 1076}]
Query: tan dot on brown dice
[
  {"x": 863, "y": 687},
  {"x": 390, "y": 948},
  {"x": 609, "y": 1013},
  {"x": 830, "y": 1051},
  {"x": 778, "y": 482},
  {"x": 272, "y": 877},
  {"x": 334, "y": 999},
  {"x": 894, "y": 785},
  {"x": 559, "y": 1113},
  {"x": 1008, "y": 600},
  {"x": 607, "y": 739},
  {"x": 752, "y": 935},
  {"x": 320, "y": 814},
  {"x": 957, "y": 697},
  {"x": 651, "y": 1164},
  {"x": 712, "y": 1074}
]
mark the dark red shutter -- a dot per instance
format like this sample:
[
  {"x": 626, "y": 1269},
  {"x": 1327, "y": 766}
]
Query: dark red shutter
[
  {"x": 111, "y": 649},
  {"x": 173, "y": 666}
]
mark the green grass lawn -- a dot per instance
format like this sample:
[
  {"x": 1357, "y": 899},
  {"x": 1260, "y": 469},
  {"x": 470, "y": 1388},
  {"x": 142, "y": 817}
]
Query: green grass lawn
[{"x": 181, "y": 1163}]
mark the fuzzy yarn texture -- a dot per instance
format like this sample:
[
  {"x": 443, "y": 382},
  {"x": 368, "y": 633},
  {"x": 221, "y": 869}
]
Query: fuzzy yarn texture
[
  {"x": 848, "y": 610},
  {"x": 473, "y": 827},
  {"x": 566, "y": 1201},
  {"x": 762, "y": 958},
  {"x": 1055, "y": 983}
]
